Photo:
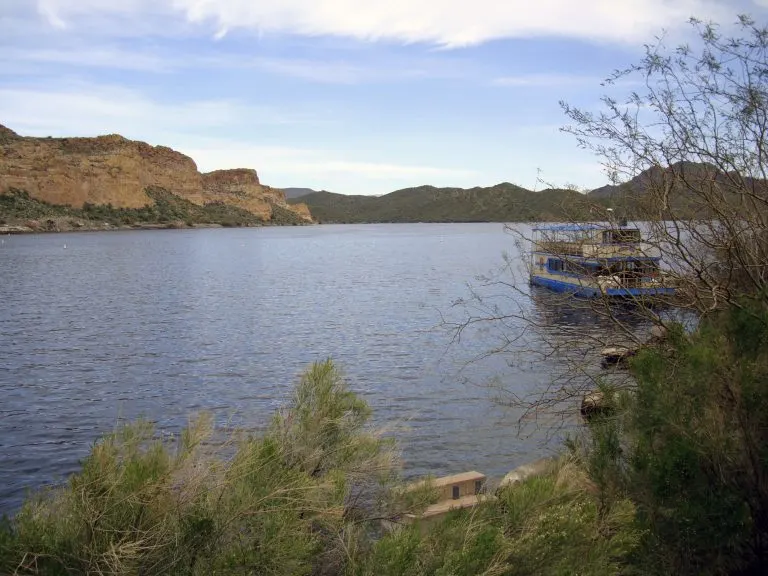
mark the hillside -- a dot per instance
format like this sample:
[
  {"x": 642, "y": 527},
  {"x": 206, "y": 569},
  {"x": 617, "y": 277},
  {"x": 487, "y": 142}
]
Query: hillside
[
  {"x": 688, "y": 190},
  {"x": 507, "y": 202},
  {"x": 291, "y": 193},
  {"x": 655, "y": 177},
  {"x": 501, "y": 203},
  {"x": 118, "y": 173}
]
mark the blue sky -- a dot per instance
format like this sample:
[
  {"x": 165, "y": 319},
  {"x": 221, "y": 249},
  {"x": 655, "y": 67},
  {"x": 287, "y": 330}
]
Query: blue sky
[{"x": 353, "y": 96}]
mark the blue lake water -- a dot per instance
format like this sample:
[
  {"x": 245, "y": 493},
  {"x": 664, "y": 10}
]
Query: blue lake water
[{"x": 96, "y": 328}]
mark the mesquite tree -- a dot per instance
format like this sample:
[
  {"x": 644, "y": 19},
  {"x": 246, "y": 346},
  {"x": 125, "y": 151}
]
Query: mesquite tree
[
  {"x": 696, "y": 130},
  {"x": 682, "y": 135}
]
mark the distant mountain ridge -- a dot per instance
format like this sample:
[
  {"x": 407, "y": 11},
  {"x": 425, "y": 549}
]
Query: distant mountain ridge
[
  {"x": 503, "y": 202},
  {"x": 118, "y": 173},
  {"x": 291, "y": 193},
  {"x": 653, "y": 177},
  {"x": 508, "y": 202}
]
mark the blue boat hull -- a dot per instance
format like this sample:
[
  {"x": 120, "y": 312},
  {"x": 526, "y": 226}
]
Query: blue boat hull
[{"x": 590, "y": 292}]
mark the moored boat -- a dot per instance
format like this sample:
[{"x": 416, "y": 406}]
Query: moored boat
[{"x": 594, "y": 260}]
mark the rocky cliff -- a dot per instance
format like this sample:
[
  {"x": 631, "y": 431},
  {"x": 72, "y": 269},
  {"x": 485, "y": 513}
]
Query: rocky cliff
[
  {"x": 241, "y": 188},
  {"x": 117, "y": 171}
]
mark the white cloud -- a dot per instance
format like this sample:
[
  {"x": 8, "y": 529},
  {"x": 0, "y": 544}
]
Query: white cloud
[
  {"x": 317, "y": 71},
  {"x": 555, "y": 80},
  {"x": 103, "y": 18},
  {"x": 50, "y": 14},
  {"x": 58, "y": 11},
  {"x": 93, "y": 109},
  {"x": 90, "y": 110},
  {"x": 341, "y": 72},
  {"x": 96, "y": 57},
  {"x": 443, "y": 22},
  {"x": 23, "y": 61},
  {"x": 546, "y": 80},
  {"x": 383, "y": 170},
  {"x": 212, "y": 154}
]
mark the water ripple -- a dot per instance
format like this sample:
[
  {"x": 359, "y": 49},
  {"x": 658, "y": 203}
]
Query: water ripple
[{"x": 165, "y": 323}]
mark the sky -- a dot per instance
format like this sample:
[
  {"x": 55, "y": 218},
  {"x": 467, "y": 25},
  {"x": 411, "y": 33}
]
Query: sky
[{"x": 352, "y": 96}]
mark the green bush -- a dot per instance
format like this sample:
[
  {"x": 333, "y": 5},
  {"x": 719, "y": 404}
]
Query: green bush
[
  {"x": 689, "y": 447},
  {"x": 199, "y": 504}
]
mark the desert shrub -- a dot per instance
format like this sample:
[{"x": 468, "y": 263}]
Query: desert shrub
[
  {"x": 197, "y": 504},
  {"x": 689, "y": 448}
]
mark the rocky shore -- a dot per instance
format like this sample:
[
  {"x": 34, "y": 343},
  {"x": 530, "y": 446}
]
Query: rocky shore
[{"x": 37, "y": 227}]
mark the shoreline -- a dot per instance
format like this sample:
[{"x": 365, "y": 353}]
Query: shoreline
[{"x": 20, "y": 229}]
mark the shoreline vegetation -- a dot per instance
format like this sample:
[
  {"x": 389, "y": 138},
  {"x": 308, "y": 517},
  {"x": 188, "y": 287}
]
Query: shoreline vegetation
[
  {"x": 20, "y": 214},
  {"x": 665, "y": 479}
]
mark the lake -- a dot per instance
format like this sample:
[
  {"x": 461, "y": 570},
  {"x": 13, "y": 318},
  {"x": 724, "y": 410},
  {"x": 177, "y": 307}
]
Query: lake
[{"x": 97, "y": 328}]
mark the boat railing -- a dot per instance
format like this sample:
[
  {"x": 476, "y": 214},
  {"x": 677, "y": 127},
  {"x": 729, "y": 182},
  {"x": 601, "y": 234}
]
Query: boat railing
[
  {"x": 597, "y": 250},
  {"x": 635, "y": 249},
  {"x": 561, "y": 248}
]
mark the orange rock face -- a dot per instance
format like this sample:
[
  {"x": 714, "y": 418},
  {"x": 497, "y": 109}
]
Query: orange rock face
[
  {"x": 303, "y": 210},
  {"x": 241, "y": 187},
  {"x": 114, "y": 170}
]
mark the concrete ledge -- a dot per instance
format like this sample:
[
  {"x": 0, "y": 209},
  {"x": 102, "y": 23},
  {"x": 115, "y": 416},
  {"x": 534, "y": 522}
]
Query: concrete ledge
[{"x": 521, "y": 473}]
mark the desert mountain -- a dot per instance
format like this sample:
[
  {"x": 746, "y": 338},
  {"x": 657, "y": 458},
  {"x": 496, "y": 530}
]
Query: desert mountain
[
  {"x": 507, "y": 202},
  {"x": 291, "y": 193},
  {"x": 501, "y": 203},
  {"x": 112, "y": 170}
]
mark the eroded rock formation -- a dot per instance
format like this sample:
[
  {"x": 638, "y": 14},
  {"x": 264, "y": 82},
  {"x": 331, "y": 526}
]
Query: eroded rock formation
[{"x": 114, "y": 170}]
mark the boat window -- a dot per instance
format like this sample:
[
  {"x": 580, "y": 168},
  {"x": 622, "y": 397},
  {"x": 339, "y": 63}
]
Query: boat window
[
  {"x": 555, "y": 265},
  {"x": 478, "y": 486},
  {"x": 646, "y": 267},
  {"x": 569, "y": 267},
  {"x": 574, "y": 268},
  {"x": 609, "y": 269},
  {"x": 592, "y": 269},
  {"x": 455, "y": 493}
]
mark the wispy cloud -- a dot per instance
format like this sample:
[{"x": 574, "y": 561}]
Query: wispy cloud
[
  {"x": 88, "y": 109},
  {"x": 324, "y": 71},
  {"x": 186, "y": 126},
  {"x": 442, "y": 22},
  {"x": 546, "y": 80},
  {"x": 216, "y": 153},
  {"x": 90, "y": 57},
  {"x": 310, "y": 70},
  {"x": 340, "y": 72},
  {"x": 388, "y": 171}
]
